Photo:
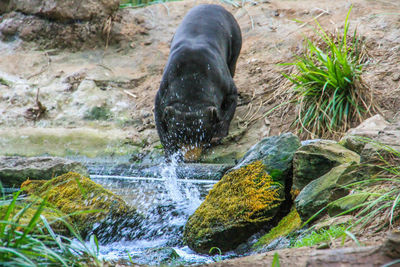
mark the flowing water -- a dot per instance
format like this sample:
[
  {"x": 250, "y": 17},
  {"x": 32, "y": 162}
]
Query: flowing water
[{"x": 166, "y": 199}]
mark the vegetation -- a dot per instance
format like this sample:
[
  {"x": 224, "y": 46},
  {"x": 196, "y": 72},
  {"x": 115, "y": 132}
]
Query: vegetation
[
  {"x": 288, "y": 224},
  {"x": 247, "y": 196},
  {"x": 382, "y": 188},
  {"x": 27, "y": 237},
  {"x": 320, "y": 236},
  {"x": 328, "y": 88},
  {"x": 73, "y": 193}
]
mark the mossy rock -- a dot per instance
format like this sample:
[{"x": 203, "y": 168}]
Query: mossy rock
[
  {"x": 240, "y": 204},
  {"x": 288, "y": 224},
  {"x": 276, "y": 153},
  {"x": 88, "y": 202}
]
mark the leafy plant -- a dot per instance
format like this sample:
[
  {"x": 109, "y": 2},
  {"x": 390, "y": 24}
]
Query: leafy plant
[
  {"x": 28, "y": 239},
  {"x": 328, "y": 88},
  {"x": 275, "y": 260}
]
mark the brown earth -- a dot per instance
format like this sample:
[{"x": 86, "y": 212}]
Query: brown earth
[{"x": 125, "y": 76}]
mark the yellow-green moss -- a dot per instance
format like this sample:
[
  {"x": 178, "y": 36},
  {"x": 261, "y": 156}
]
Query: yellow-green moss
[
  {"x": 74, "y": 193},
  {"x": 242, "y": 197},
  {"x": 287, "y": 225}
]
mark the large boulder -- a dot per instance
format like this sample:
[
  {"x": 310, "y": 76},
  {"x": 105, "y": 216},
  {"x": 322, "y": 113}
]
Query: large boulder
[
  {"x": 87, "y": 203},
  {"x": 66, "y": 10},
  {"x": 14, "y": 170},
  {"x": 240, "y": 204},
  {"x": 276, "y": 153},
  {"x": 320, "y": 192},
  {"x": 316, "y": 159},
  {"x": 356, "y": 138}
]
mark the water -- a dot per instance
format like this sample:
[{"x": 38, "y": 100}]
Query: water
[{"x": 167, "y": 202}]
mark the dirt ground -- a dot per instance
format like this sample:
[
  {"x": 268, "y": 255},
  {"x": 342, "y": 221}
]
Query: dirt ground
[{"x": 125, "y": 76}]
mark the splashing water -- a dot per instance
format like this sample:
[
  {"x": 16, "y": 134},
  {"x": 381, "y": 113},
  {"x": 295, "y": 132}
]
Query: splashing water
[{"x": 166, "y": 202}]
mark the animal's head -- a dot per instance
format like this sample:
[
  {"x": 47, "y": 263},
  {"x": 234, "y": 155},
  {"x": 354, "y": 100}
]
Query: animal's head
[{"x": 191, "y": 129}]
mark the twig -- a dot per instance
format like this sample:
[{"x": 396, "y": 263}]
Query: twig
[{"x": 130, "y": 94}]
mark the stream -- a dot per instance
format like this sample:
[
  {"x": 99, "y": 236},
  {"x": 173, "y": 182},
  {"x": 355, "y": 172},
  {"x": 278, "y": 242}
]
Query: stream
[{"x": 167, "y": 194}]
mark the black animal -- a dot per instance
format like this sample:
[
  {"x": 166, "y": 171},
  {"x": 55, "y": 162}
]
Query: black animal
[{"x": 197, "y": 96}]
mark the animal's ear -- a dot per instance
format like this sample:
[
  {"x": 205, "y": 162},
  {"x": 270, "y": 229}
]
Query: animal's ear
[{"x": 212, "y": 113}]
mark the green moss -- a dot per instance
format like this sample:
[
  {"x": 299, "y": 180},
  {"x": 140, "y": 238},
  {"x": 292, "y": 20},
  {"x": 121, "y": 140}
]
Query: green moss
[
  {"x": 75, "y": 194},
  {"x": 287, "y": 225},
  {"x": 5, "y": 82},
  {"x": 323, "y": 235},
  {"x": 244, "y": 197}
]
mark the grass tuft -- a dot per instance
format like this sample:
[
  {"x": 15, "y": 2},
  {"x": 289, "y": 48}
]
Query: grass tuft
[
  {"x": 330, "y": 94},
  {"x": 28, "y": 239}
]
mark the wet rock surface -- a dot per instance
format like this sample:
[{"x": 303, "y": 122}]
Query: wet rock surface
[{"x": 15, "y": 170}]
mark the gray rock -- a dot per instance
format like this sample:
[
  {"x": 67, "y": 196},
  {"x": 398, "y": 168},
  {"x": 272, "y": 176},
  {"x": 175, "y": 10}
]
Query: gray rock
[
  {"x": 356, "y": 138},
  {"x": 276, "y": 153},
  {"x": 316, "y": 159},
  {"x": 66, "y": 10},
  {"x": 15, "y": 170},
  {"x": 385, "y": 144},
  {"x": 320, "y": 192}
]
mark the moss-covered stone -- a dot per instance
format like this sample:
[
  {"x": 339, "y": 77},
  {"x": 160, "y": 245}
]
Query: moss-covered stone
[
  {"x": 75, "y": 194},
  {"x": 240, "y": 204},
  {"x": 276, "y": 153},
  {"x": 288, "y": 224}
]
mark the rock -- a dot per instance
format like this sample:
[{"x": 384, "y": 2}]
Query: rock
[
  {"x": 14, "y": 170},
  {"x": 288, "y": 224},
  {"x": 369, "y": 128},
  {"x": 49, "y": 34},
  {"x": 67, "y": 10},
  {"x": 276, "y": 153},
  {"x": 316, "y": 159},
  {"x": 89, "y": 203},
  {"x": 385, "y": 144},
  {"x": 320, "y": 192},
  {"x": 346, "y": 203},
  {"x": 243, "y": 202},
  {"x": 161, "y": 256}
]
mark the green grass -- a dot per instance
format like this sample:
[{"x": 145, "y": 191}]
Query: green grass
[
  {"x": 28, "y": 239},
  {"x": 327, "y": 85},
  {"x": 323, "y": 235},
  {"x": 383, "y": 188}
]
